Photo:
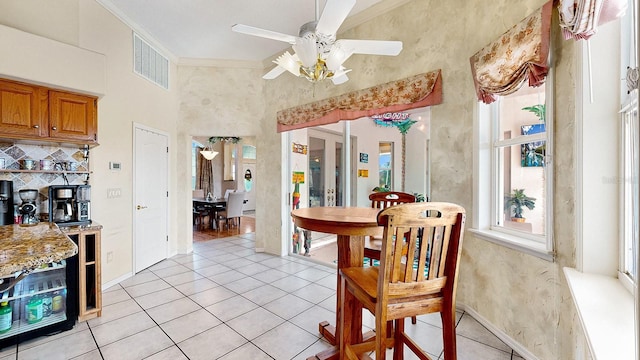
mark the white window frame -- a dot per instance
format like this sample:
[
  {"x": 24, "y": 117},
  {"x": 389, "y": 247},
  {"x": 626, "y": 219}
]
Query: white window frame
[
  {"x": 487, "y": 198},
  {"x": 628, "y": 220}
]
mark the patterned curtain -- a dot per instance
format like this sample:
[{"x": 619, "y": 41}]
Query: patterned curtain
[
  {"x": 410, "y": 93},
  {"x": 204, "y": 173},
  {"x": 521, "y": 53},
  {"x": 579, "y": 19}
]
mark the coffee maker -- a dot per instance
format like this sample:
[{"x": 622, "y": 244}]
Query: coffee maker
[
  {"x": 70, "y": 204},
  {"x": 28, "y": 207},
  {"x": 6, "y": 202}
]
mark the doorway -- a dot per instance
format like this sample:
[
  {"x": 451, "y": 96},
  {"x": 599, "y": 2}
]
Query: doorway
[
  {"x": 326, "y": 169},
  {"x": 150, "y": 182}
]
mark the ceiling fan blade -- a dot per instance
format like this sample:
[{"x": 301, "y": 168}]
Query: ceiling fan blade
[
  {"x": 372, "y": 47},
  {"x": 333, "y": 15},
  {"x": 268, "y": 34},
  {"x": 337, "y": 80},
  {"x": 274, "y": 73}
]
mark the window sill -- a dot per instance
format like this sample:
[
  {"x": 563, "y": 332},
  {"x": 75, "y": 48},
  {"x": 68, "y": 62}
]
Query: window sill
[
  {"x": 516, "y": 243},
  {"x": 605, "y": 309}
]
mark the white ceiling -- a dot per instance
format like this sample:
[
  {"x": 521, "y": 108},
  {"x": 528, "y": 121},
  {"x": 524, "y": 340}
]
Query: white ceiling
[{"x": 201, "y": 29}]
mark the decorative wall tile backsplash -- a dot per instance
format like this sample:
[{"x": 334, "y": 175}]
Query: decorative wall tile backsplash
[{"x": 13, "y": 153}]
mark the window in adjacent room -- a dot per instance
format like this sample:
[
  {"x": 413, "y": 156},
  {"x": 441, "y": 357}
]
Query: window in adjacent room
[{"x": 385, "y": 165}]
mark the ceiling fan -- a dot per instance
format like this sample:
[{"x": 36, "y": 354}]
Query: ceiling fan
[{"x": 317, "y": 55}]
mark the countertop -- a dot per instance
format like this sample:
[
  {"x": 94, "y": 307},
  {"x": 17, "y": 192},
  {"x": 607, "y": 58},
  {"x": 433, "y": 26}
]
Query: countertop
[{"x": 27, "y": 247}]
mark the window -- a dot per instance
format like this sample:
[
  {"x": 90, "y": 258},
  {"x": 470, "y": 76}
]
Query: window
[
  {"x": 194, "y": 154},
  {"x": 513, "y": 192},
  {"x": 629, "y": 153},
  {"x": 629, "y": 189},
  {"x": 385, "y": 165}
]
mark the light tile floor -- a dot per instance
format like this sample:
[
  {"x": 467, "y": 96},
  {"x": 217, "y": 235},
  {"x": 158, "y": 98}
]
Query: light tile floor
[{"x": 225, "y": 301}]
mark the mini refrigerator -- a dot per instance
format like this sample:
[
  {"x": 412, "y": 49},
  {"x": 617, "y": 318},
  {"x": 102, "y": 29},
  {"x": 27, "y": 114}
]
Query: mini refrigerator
[{"x": 45, "y": 302}]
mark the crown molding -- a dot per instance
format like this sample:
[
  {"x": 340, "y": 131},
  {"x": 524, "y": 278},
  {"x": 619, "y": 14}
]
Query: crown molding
[{"x": 138, "y": 30}]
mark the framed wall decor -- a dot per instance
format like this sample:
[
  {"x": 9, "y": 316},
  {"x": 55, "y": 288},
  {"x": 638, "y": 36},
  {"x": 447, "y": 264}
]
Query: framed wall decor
[{"x": 533, "y": 153}]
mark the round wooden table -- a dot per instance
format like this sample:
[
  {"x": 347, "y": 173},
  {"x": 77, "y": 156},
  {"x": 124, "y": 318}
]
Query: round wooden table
[{"x": 351, "y": 224}]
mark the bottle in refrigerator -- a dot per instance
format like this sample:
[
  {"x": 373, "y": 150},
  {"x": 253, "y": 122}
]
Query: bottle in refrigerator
[
  {"x": 6, "y": 317},
  {"x": 33, "y": 310},
  {"x": 47, "y": 304},
  {"x": 57, "y": 302}
]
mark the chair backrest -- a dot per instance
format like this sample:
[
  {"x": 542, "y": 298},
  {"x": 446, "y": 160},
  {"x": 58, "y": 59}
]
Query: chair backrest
[
  {"x": 235, "y": 204},
  {"x": 198, "y": 193},
  {"x": 421, "y": 249},
  {"x": 226, "y": 194},
  {"x": 382, "y": 200}
]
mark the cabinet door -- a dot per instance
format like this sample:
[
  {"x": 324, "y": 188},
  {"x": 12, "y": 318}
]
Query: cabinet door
[
  {"x": 23, "y": 110},
  {"x": 72, "y": 116}
]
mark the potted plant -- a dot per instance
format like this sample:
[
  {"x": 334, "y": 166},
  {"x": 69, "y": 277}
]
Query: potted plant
[{"x": 518, "y": 200}]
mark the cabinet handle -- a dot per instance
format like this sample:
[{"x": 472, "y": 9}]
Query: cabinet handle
[
  {"x": 36, "y": 126},
  {"x": 54, "y": 128}
]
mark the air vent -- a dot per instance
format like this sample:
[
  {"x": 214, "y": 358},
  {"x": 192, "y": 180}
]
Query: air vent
[{"x": 149, "y": 63}]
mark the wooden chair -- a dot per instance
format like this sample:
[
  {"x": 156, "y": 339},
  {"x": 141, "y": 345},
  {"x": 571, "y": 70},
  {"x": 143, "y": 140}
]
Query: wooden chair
[
  {"x": 382, "y": 200},
  {"x": 233, "y": 209},
  {"x": 419, "y": 238},
  {"x": 199, "y": 212}
]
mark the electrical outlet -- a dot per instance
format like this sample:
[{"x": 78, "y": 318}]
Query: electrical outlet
[
  {"x": 114, "y": 193},
  {"x": 110, "y": 256}
]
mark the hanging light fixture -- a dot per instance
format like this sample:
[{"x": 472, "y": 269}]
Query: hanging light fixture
[{"x": 208, "y": 153}]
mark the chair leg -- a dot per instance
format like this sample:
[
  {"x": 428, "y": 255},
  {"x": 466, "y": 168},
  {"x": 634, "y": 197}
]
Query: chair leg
[
  {"x": 414, "y": 320},
  {"x": 448, "y": 316},
  {"x": 398, "y": 341},
  {"x": 381, "y": 337}
]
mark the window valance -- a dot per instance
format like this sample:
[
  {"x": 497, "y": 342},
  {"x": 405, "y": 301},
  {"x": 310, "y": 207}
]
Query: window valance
[
  {"x": 410, "y": 93},
  {"x": 580, "y": 19},
  {"x": 521, "y": 53}
]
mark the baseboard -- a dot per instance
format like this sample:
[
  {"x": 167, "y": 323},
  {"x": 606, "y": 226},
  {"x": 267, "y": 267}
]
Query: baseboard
[
  {"x": 516, "y": 346},
  {"x": 116, "y": 281},
  {"x": 259, "y": 250}
]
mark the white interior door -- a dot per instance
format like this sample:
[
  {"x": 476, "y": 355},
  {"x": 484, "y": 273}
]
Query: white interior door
[
  {"x": 150, "y": 197},
  {"x": 326, "y": 170}
]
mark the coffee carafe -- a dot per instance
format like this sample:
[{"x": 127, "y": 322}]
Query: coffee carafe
[
  {"x": 28, "y": 207},
  {"x": 6, "y": 202}
]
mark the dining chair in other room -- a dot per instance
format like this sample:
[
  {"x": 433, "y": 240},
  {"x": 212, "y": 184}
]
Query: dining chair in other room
[
  {"x": 418, "y": 274},
  {"x": 199, "y": 212},
  {"x": 233, "y": 209},
  {"x": 382, "y": 200}
]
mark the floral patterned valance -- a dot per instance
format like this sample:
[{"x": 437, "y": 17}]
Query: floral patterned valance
[
  {"x": 521, "y": 53},
  {"x": 410, "y": 93}
]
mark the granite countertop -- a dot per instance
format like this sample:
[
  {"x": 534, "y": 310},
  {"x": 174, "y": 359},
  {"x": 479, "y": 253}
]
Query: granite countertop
[
  {"x": 27, "y": 247},
  {"x": 77, "y": 228}
]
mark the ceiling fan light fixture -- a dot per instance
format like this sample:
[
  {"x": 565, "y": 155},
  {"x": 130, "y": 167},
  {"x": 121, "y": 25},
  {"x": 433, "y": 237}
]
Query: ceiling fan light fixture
[
  {"x": 317, "y": 72},
  {"x": 289, "y": 63},
  {"x": 337, "y": 56},
  {"x": 306, "y": 50}
]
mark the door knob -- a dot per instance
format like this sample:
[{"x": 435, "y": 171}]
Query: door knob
[
  {"x": 54, "y": 128},
  {"x": 140, "y": 207}
]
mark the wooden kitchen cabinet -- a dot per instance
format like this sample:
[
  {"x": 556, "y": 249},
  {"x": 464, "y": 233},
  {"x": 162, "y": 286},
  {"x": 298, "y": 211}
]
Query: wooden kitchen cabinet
[
  {"x": 23, "y": 109},
  {"x": 36, "y": 113},
  {"x": 89, "y": 273},
  {"x": 72, "y": 116}
]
